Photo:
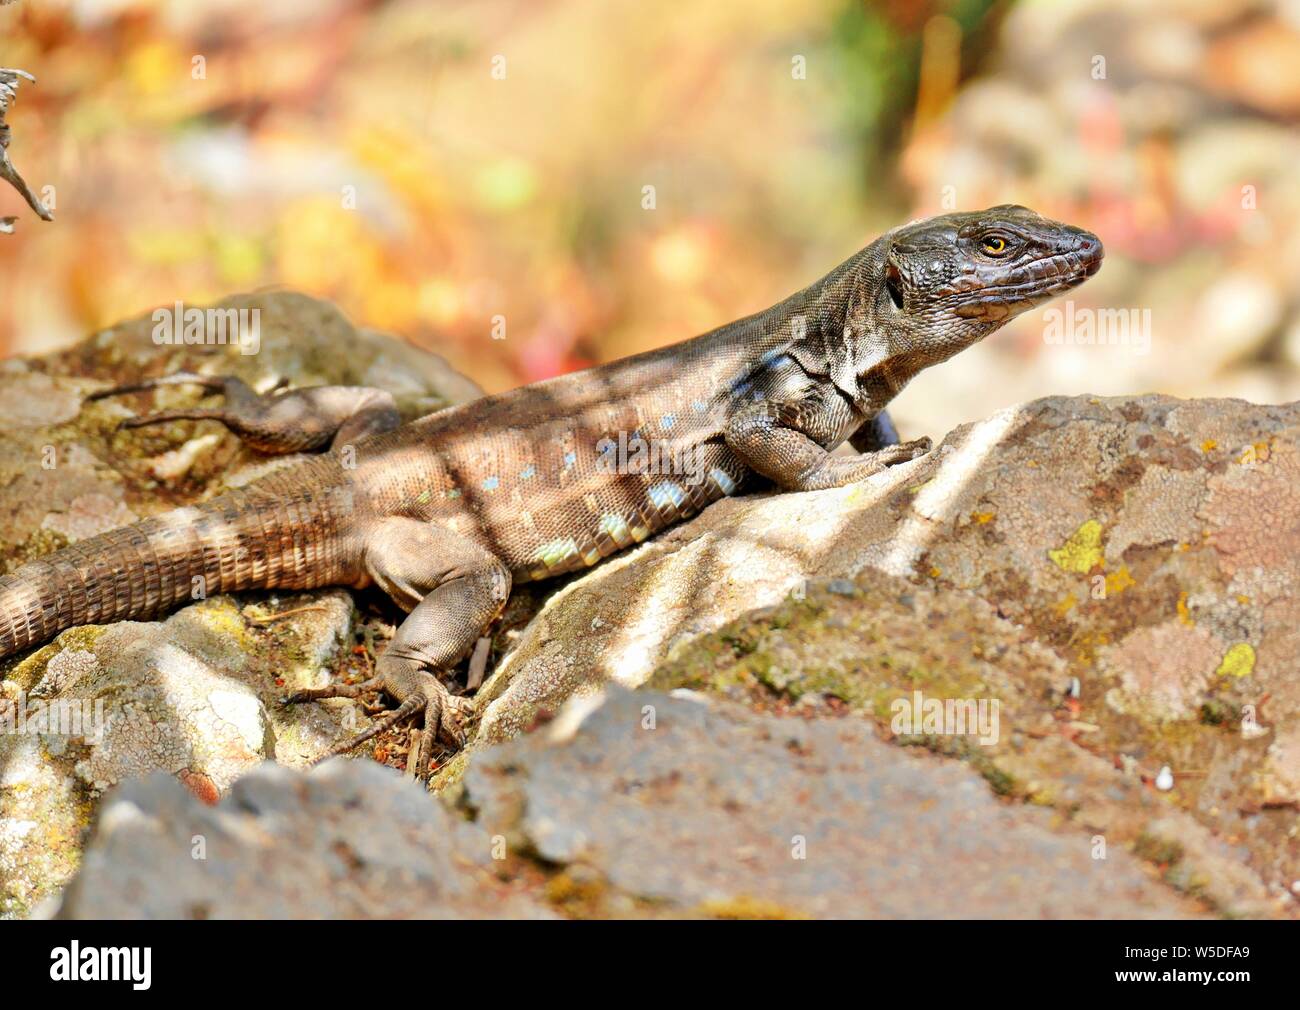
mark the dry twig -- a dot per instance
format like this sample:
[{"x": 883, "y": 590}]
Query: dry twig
[{"x": 9, "y": 81}]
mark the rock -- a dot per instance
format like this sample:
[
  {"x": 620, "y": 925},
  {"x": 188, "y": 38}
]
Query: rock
[
  {"x": 1148, "y": 547},
  {"x": 632, "y": 805},
  {"x": 192, "y": 695},
  {"x": 684, "y": 808},
  {"x": 348, "y": 840}
]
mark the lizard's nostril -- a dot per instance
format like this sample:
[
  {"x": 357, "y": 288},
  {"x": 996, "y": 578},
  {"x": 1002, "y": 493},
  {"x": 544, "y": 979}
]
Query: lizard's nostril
[
  {"x": 1089, "y": 249},
  {"x": 1089, "y": 244}
]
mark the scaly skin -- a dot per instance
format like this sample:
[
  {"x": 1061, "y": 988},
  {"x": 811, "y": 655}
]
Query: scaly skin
[{"x": 447, "y": 512}]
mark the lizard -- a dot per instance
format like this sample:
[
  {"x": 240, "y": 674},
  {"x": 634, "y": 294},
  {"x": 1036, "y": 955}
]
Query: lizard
[{"x": 448, "y": 512}]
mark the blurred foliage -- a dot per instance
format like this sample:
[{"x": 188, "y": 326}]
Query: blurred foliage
[
  {"x": 878, "y": 51},
  {"x": 363, "y": 151}
]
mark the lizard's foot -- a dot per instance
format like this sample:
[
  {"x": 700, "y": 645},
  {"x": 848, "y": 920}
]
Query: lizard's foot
[
  {"x": 902, "y": 452},
  {"x": 277, "y": 421},
  {"x": 836, "y": 471},
  {"x": 444, "y": 717},
  {"x": 214, "y": 383},
  {"x": 445, "y": 714},
  {"x": 405, "y": 710},
  {"x": 234, "y": 388}
]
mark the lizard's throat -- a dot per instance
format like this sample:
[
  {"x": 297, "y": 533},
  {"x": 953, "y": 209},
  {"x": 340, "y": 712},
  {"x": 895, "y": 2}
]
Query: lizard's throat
[{"x": 880, "y": 371}]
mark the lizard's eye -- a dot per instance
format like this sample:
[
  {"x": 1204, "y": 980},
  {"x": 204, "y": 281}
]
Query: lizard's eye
[{"x": 994, "y": 245}]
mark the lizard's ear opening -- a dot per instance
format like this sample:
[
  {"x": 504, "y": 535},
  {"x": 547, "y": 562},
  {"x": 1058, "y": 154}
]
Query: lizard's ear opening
[{"x": 894, "y": 285}]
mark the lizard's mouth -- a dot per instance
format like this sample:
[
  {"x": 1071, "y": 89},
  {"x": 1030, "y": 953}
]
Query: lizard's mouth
[{"x": 1031, "y": 284}]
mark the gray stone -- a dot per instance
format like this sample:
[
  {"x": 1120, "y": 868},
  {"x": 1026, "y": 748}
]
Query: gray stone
[
  {"x": 349, "y": 840},
  {"x": 711, "y": 810}
]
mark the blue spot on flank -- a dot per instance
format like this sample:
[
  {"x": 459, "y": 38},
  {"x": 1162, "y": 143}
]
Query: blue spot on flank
[
  {"x": 454, "y": 493},
  {"x": 699, "y": 406},
  {"x": 723, "y": 480},
  {"x": 570, "y": 458},
  {"x": 666, "y": 493},
  {"x": 490, "y": 484},
  {"x": 528, "y": 472},
  {"x": 667, "y": 421}
]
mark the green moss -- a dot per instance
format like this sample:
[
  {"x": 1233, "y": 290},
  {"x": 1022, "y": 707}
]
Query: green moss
[
  {"x": 1218, "y": 712},
  {"x": 1161, "y": 851},
  {"x": 963, "y": 748},
  {"x": 741, "y": 641},
  {"x": 27, "y": 672},
  {"x": 42, "y": 541},
  {"x": 222, "y": 615},
  {"x": 1002, "y": 782},
  {"x": 798, "y": 649}
]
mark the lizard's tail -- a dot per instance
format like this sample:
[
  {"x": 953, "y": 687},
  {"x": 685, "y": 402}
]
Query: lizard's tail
[{"x": 272, "y": 534}]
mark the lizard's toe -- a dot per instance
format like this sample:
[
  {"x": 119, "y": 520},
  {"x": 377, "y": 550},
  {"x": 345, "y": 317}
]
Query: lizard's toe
[
  {"x": 455, "y": 720},
  {"x": 904, "y": 452},
  {"x": 920, "y": 446},
  {"x": 451, "y": 726},
  {"x": 445, "y": 714}
]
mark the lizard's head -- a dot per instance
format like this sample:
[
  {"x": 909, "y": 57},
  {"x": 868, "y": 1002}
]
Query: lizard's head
[{"x": 951, "y": 280}]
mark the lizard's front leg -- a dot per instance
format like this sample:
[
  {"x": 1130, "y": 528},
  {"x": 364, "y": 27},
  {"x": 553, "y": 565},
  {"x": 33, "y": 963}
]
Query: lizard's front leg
[
  {"x": 453, "y": 588},
  {"x": 298, "y": 420},
  {"x": 772, "y": 438}
]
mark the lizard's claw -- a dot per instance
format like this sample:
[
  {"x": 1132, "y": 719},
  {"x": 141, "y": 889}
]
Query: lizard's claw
[
  {"x": 903, "y": 452},
  {"x": 446, "y": 714},
  {"x": 332, "y": 691},
  {"x": 462, "y": 711}
]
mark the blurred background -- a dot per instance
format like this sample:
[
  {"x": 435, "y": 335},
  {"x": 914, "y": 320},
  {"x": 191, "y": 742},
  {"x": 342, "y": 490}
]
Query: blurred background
[{"x": 432, "y": 164}]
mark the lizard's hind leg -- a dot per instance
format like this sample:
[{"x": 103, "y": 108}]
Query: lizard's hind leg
[
  {"x": 297, "y": 420},
  {"x": 453, "y": 588}
]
